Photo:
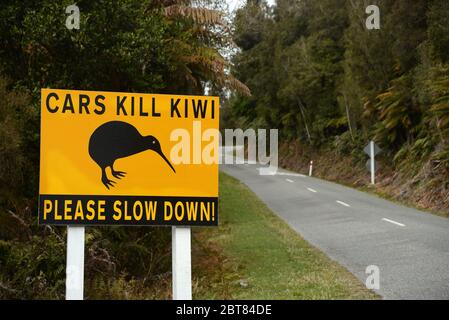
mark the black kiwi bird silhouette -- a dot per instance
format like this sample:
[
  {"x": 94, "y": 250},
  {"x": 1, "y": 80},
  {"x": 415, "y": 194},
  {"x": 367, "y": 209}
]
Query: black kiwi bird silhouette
[{"x": 117, "y": 139}]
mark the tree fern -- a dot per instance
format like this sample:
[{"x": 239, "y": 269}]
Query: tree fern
[
  {"x": 205, "y": 34},
  {"x": 397, "y": 112},
  {"x": 439, "y": 89}
]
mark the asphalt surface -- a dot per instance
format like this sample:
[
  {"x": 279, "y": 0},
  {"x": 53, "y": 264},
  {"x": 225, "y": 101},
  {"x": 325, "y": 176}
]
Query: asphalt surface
[{"x": 356, "y": 229}]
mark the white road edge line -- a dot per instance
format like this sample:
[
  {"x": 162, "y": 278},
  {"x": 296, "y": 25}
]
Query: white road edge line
[
  {"x": 288, "y": 180},
  {"x": 289, "y": 174},
  {"x": 312, "y": 190},
  {"x": 342, "y": 203},
  {"x": 277, "y": 173},
  {"x": 394, "y": 222}
]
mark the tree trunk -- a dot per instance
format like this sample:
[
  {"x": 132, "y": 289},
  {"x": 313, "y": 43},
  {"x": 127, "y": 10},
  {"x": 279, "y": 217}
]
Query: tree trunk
[
  {"x": 301, "y": 108},
  {"x": 347, "y": 115}
]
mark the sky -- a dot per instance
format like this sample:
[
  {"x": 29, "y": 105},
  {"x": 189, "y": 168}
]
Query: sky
[{"x": 234, "y": 4}]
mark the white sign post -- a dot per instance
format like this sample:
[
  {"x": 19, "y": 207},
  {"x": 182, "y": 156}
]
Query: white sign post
[
  {"x": 372, "y": 149},
  {"x": 373, "y": 164},
  {"x": 75, "y": 263},
  {"x": 181, "y": 263},
  {"x": 310, "y": 168}
]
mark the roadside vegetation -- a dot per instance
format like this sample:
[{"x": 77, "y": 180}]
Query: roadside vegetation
[
  {"x": 330, "y": 85},
  {"x": 260, "y": 257}
]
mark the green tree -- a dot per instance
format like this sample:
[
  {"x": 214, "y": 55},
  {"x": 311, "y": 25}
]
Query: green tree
[{"x": 128, "y": 45}]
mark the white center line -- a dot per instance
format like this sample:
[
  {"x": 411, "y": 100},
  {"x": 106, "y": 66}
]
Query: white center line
[
  {"x": 343, "y": 203},
  {"x": 288, "y": 180},
  {"x": 312, "y": 190},
  {"x": 394, "y": 222}
]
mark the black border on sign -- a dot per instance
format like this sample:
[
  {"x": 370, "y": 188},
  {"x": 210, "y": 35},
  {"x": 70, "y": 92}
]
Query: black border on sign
[{"x": 108, "y": 210}]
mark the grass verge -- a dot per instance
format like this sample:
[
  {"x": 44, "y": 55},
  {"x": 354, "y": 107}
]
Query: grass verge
[{"x": 253, "y": 254}]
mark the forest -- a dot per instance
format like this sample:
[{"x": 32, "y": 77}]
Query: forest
[{"x": 330, "y": 85}]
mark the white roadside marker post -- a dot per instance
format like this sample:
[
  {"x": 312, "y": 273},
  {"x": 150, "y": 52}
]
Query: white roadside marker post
[
  {"x": 372, "y": 149},
  {"x": 75, "y": 263},
  {"x": 310, "y": 168},
  {"x": 372, "y": 164},
  {"x": 181, "y": 263}
]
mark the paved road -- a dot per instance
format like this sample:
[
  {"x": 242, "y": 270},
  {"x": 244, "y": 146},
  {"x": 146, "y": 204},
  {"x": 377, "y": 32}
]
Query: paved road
[{"x": 410, "y": 247}]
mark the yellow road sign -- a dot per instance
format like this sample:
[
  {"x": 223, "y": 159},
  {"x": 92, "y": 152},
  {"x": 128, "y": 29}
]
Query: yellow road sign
[{"x": 111, "y": 158}]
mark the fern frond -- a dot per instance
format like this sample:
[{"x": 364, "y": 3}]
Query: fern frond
[{"x": 198, "y": 15}]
